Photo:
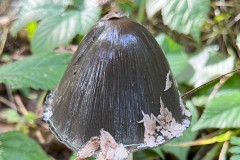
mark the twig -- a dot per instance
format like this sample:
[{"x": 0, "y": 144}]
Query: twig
[
  {"x": 40, "y": 101},
  {"x": 40, "y": 137},
  {"x": 209, "y": 82},
  {"x": 205, "y": 141},
  {"x": 237, "y": 18},
  {"x": 17, "y": 53},
  {"x": 10, "y": 94},
  {"x": 218, "y": 86},
  {"x": 223, "y": 152},
  {"x": 70, "y": 48},
  {"x": 3, "y": 39},
  {"x": 8, "y": 103},
  {"x": 224, "y": 4},
  {"x": 21, "y": 107},
  {"x": 178, "y": 37},
  {"x": 43, "y": 125}
]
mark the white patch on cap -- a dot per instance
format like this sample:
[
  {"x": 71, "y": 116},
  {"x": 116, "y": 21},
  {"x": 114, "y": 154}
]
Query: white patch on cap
[
  {"x": 166, "y": 134},
  {"x": 160, "y": 140},
  {"x": 120, "y": 152},
  {"x": 186, "y": 122},
  {"x": 47, "y": 114},
  {"x": 183, "y": 109},
  {"x": 168, "y": 82},
  {"x": 149, "y": 123},
  {"x": 110, "y": 149},
  {"x": 163, "y": 127},
  {"x": 89, "y": 149},
  {"x": 182, "y": 106},
  {"x": 187, "y": 113}
]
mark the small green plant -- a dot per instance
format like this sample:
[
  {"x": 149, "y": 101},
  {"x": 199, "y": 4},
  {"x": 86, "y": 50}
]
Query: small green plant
[{"x": 23, "y": 122}]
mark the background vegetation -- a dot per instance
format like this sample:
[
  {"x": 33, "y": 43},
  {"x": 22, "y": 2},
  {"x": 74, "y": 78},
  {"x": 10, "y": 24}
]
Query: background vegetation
[{"x": 201, "y": 40}]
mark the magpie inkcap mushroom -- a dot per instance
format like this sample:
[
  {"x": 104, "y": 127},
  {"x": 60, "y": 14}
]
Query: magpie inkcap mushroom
[{"x": 118, "y": 93}]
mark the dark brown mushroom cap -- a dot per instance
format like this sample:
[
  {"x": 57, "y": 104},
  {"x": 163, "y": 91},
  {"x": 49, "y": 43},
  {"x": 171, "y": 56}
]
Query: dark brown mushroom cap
[{"x": 117, "y": 72}]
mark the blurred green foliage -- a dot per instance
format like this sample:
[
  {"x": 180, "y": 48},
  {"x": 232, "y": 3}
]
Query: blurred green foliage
[
  {"x": 51, "y": 24},
  {"x": 15, "y": 145},
  {"x": 235, "y": 150}
]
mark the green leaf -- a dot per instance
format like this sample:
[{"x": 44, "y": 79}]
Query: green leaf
[
  {"x": 41, "y": 71},
  {"x": 30, "y": 116},
  {"x": 128, "y": 7},
  {"x": 235, "y": 157},
  {"x": 221, "y": 112},
  {"x": 152, "y": 7},
  {"x": 200, "y": 100},
  {"x": 175, "y": 54},
  {"x": 159, "y": 152},
  {"x": 61, "y": 29},
  {"x": 145, "y": 155},
  {"x": 232, "y": 83},
  {"x": 10, "y": 115},
  {"x": 221, "y": 17},
  {"x": 37, "y": 10},
  {"x": 89, "y": 14},
  {"x": 235, "y": 141},
  {"x": 55, "y": 31},
  {"x": 74, "y": 156},
  {"x": 208, "y": 64},
  {"x": 213, "y": 152},
  {"x": 235, "y": 150},
  {"x": 182, "y": 152},
  {"x": 17, "y": 146},
  {"x": 168, "y": 44},
  {"x": 186, "y": 16},
  {"x": 31, "y": 29}
]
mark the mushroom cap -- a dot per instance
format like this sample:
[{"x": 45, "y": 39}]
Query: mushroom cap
[{"x": 118, "y": 74}]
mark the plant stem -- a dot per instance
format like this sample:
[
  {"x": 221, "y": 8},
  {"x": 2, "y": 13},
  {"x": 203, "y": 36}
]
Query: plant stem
[
  {"x": 141, "y": 11},
  {"x": 115, "y": 6},
  {"x": 41, "y": 100},
  {"x": 3, "y": 39}
]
